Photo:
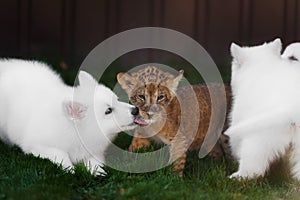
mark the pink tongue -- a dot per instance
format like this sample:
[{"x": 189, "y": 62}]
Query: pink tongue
[{"x": 140, "y": 122}]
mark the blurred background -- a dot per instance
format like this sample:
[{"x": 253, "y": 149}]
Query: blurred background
[{"x": 63, "y": 32}]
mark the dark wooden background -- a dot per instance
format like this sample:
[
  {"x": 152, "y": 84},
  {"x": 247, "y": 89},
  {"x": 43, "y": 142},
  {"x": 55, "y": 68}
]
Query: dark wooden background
[{"x": 67, "y": 30}]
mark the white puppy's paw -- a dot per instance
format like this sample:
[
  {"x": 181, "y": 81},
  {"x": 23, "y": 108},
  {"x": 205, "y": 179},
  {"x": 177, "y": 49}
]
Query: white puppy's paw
[
  {"x": 235, "y": 175},
  {"x": 95, "y": 167},
  {"x": 70, "y": 170},
  {"x": 244, "y": 175},
  {"x": 98, "y": 170}
]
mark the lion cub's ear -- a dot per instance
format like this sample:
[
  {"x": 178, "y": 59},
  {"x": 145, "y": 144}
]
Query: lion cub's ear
[
  {"x": 126, "y": 81},
  {"x": 173, "y": 83}
]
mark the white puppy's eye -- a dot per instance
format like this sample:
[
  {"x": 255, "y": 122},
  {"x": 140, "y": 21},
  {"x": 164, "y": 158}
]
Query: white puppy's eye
[
  {"x": 293, "y": 58},
  {"x": 108, "y": 111}
]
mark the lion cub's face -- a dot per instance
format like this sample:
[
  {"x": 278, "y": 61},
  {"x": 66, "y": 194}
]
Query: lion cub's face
[{"x": 150, "y": 89}]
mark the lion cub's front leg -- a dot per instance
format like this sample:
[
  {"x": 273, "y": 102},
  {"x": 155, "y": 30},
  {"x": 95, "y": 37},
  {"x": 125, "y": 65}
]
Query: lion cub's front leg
[
  {"x": 138, "y": 142},
  {"x": 178, "y": 149}
]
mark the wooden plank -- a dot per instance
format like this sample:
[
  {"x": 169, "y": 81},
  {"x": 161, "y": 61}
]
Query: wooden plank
[
  {"x": 222, "y": 28},
  {"x": 245, "y": 28},
  {"x": 179, "y": 15},
  {"x": 201, "y": 23},
  {"x": 89, "y": 28},
  {"x": 9, "y": 40},
  {"x": 289, "y": 21},
  {"x": 45, "y": 30},
  {"x": 267, "y": 20},
  {"x": 173, "y": 14},
  {"x": 23, "y": 31},
  {"x": 155, "y": 20},
  {"x": 156, "y": 13},
  {"x": 66, "y": 29},
  {"x": 134, "y": 14},
  {"x": 67, "y": 32},
  {"x": 112, "y": 17},
  {"x": 297, "y": 21}
]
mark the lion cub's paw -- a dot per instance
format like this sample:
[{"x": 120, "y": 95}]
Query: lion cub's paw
[{"x": 138, "y": 143}]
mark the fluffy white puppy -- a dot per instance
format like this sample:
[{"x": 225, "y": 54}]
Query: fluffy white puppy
[
  {"x": 265, "y": 115},
  {"x": 292, "y": 52},
  {"x": 47, "y": 118}
]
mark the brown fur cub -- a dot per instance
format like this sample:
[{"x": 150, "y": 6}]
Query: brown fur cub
[{"x": 172, "y": 116}]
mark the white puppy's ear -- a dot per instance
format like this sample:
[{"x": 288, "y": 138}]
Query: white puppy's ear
[
  {"x": 292, "y": 52},
  {"x": 235, "y": 50},
  {"x": 75, "y": 111},
  {"x": 85, "y": 79},
  {"x": 276, "y": 46},
  {"x": 237, "y": 53}
]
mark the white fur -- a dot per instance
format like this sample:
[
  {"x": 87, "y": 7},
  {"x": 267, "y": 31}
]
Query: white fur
[
  {"x": 47, "y": 118},
  {"x": 265, "y": 113},
  {"x": 292, "y": 52}
]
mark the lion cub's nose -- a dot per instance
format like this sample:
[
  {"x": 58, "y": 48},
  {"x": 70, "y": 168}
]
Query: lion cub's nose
[{"x": 135, "y": 111}]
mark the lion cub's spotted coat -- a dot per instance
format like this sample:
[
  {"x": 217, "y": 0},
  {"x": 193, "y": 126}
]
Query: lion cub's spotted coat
[{"x": 153, "y": 92}]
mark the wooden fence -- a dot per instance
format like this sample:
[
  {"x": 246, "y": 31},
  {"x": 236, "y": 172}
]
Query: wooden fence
[{"x": 68, "y": 29}]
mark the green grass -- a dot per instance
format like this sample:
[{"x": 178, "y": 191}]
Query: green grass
[{"x": 27, "y": 177}]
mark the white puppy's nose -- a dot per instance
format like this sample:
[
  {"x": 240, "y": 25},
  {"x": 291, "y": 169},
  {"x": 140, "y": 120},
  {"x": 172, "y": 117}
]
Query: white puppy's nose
[{"x": 135, "y": 111}]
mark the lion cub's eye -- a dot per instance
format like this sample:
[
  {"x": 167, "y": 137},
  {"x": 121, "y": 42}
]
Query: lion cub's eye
[
  {"x": 160, "y": 97},
  {"x": 142, "y": 97}
]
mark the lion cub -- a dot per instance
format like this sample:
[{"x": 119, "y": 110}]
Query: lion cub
[{"x": 169, "y": 114}]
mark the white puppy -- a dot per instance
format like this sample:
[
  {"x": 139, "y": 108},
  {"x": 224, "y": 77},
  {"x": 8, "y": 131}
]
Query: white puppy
[
  {"x": 292, "y": 52},
  {"x": 265, "y": 114},
  {"x": 47, "y": 118}
]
